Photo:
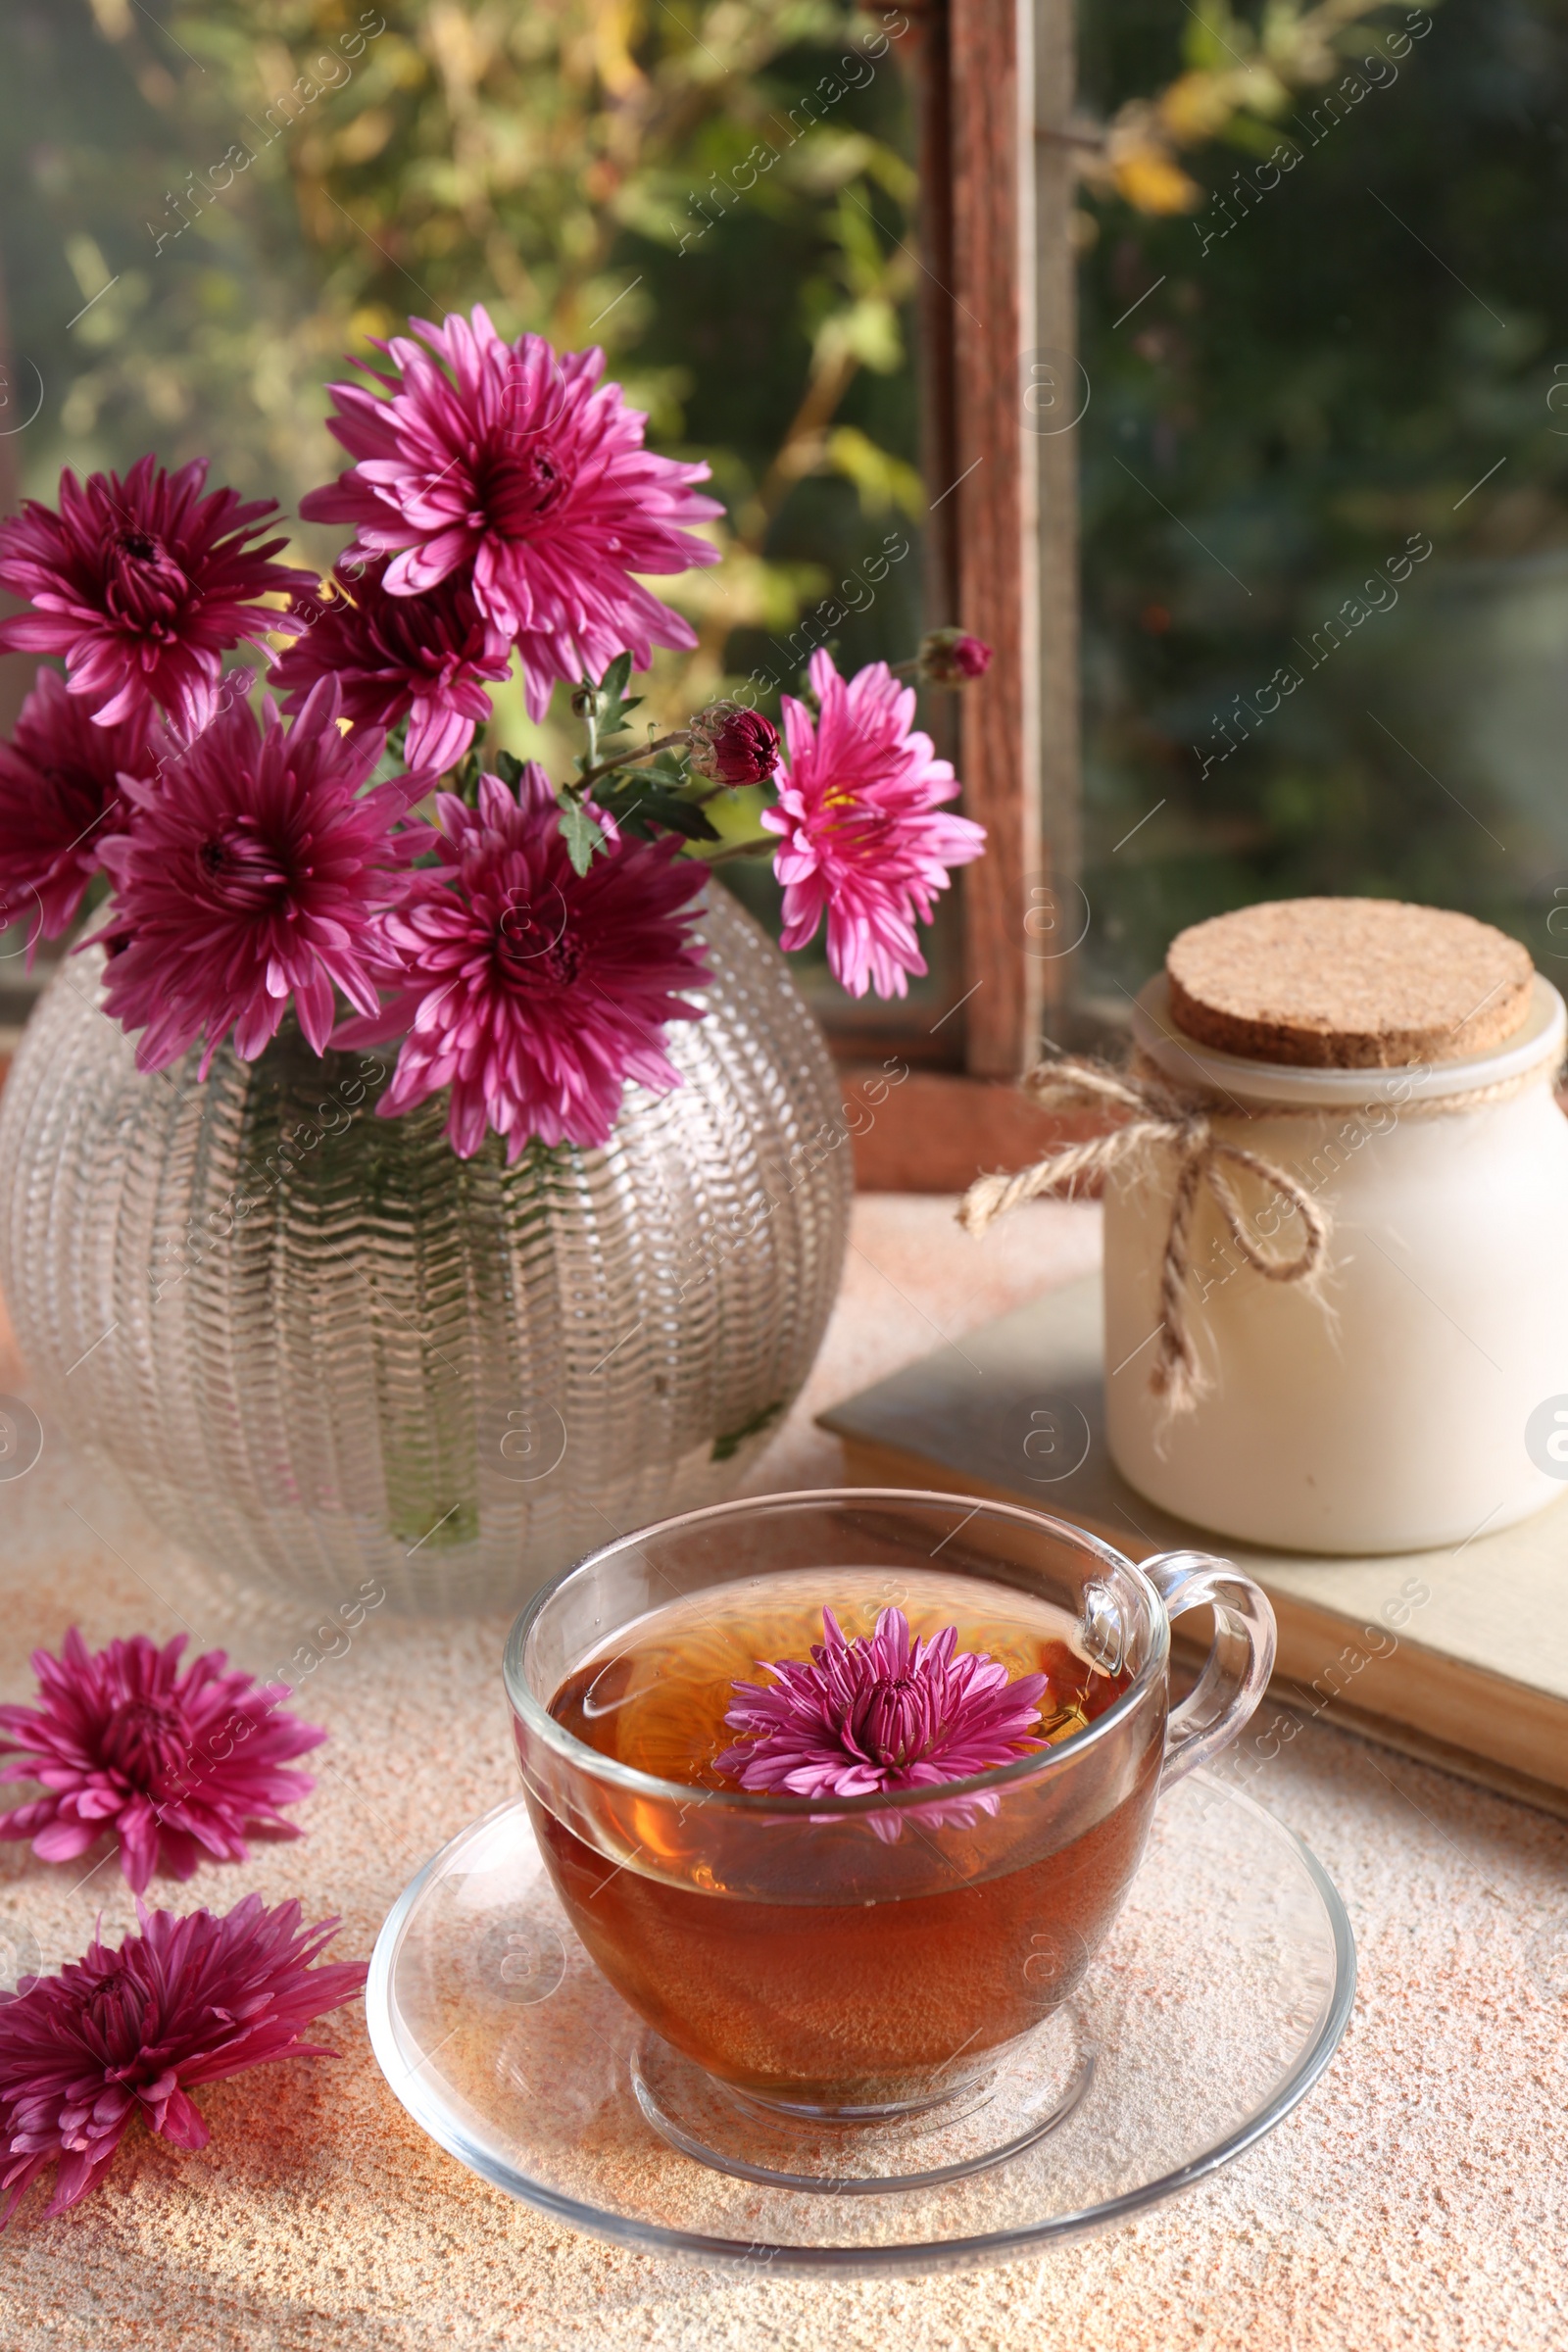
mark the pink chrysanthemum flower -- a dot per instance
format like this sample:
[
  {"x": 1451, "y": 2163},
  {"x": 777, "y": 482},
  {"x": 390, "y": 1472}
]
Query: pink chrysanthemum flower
[
  {"x": 952, "y": 658},
  {"x": 532, "y": 991},
  {"x": 60, "y": 802},
  {"x": 249, "y": 876},
  {"x": 179, "y": 1768},
  {"x": 881, "y": 1712},
  {"x": 142, "y": 585},
  {"x": 423, "y": 656},
  {"x": 119, "y": 2035},
  {"x": 866, "y": 842},
  {"x": 521, "y": 469},
  {"x": 731, "y": 745}
]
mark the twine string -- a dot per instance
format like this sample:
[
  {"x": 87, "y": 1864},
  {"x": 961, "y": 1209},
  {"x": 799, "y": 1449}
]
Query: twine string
[{"x": 1156, "y": 1118}]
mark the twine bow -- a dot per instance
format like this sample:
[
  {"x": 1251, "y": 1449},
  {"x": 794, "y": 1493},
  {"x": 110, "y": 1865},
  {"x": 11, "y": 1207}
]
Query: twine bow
[{"x": 1156, "y": 1114}]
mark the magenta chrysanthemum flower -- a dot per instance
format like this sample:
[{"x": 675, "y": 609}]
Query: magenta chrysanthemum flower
[
  {"x": 181, "y": 1768},
  {"x": 866, "y": 842},
  {"x": 880, "y": 1712},
  {"x": 60, "y": 802},
  {"x": 952, "y": 658},
  {"x": 423, "y": 656},
  {"x": 249, "y": 876},
  {"x": 731, "y": 745},
  {"x": 519, "y": 469},
  {"x": 143, "y": 584},
  {"x": 119, "y": 2035},
  {"x": 530, "y": 990}
]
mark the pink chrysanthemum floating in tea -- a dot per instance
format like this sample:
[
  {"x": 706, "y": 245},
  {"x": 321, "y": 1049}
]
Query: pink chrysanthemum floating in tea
[
  {"x": 178, "y": 1768},
  {"x": 423, "y": 658},
  {"x": 522, "y": 470},
  {"x": 60, "y": 802},
  {"x": 532, "y": 991},
  {"x": 248, "y": 880},
  {"x": 879, "y": 1712},
  {"x": 142, "y": 585},
  {"x": 128, "y": 2033},
  {"x": 867, "y": 844}
]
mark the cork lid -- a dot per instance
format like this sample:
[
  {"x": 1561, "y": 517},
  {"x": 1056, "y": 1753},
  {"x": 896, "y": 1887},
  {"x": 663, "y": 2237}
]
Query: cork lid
[{"x": 1347, "y": 983}]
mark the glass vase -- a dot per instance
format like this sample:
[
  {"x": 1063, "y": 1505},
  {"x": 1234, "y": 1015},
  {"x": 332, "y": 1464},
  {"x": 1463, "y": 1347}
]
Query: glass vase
[{"x": 318, "y": 1346}]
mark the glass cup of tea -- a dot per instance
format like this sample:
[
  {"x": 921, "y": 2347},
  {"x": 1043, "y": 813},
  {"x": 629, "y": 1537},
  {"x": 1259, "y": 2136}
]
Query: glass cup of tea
[{"x": 843, "y": 1863}]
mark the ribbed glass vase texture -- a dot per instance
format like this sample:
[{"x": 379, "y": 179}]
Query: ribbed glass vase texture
[{"x": 318, "y": 1346}]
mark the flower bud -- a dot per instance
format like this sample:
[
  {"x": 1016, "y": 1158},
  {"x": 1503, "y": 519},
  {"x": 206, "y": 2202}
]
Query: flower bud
[
  {"x": 731, "y": 745},
  {"x": 952, "y": 657}
]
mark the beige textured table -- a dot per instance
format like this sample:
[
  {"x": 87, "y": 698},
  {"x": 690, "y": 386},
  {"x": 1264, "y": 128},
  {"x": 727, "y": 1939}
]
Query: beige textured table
[{"x": 1417, "y": 2199}]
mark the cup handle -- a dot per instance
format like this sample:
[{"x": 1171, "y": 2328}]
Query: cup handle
[{"x": 1236, "y": 1673}]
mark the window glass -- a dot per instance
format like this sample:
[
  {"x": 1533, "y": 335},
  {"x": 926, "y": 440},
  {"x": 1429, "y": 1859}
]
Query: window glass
[{"x": 1324, "y": 479}]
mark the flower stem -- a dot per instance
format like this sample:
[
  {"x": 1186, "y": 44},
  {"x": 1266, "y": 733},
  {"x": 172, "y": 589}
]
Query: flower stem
[
  {"x": 741, "y": 848},
  {"x": 591, "y": 775}
]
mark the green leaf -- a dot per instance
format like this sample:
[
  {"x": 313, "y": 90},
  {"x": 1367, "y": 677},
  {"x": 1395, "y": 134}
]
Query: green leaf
[
  {"x": 729, "y": 1442},
  {"x": 582, "y": 836},
  {"x": 643, "y": 807},
  {"x": 1213, "y": 39},
  {"x": 882, "y": 480},
  {"x": 616, "y": 717},
  {"x": 616, "y": 678},
  {"x": 680, "y": 817},
  {"x": 509, "y": 767}
]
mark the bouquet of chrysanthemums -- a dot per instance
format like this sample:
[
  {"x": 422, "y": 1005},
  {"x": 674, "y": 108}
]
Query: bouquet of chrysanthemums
[{"x": 344, "y": 851}]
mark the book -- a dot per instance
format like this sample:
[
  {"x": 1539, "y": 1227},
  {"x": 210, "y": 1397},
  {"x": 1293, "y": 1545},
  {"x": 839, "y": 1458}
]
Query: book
[{"x": 1457, "y": 1656}]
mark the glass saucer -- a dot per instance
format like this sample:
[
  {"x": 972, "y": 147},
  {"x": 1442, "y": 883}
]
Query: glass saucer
[
  {"x": 1214, "y": 2004},
  {"x": 1032, "y": 2091}
]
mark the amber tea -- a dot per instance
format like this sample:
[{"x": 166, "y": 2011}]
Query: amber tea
[{"x": 822, "y": 1956}]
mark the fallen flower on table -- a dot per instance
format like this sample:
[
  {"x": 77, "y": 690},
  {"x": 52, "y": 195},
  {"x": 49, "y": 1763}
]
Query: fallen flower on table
[
  {"x": 178, "y": 1768},
  {"x": 119, "y": 2035}
]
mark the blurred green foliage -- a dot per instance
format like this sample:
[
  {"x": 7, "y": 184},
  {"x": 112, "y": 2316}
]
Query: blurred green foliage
[
  {"x": 1364, "y": 341},
  {"x": 719, "y": 193}
]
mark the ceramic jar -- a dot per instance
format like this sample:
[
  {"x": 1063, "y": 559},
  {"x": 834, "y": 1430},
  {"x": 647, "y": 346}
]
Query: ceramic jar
[{"x": 1416, "y": 1396}]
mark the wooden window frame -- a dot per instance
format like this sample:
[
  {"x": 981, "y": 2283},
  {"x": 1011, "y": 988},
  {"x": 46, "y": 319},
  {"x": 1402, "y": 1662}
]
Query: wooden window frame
[{"x": 999, "y": 331}]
